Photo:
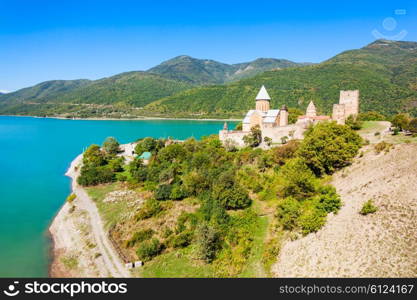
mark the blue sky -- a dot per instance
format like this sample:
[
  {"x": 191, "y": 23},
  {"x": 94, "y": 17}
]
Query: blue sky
[{"x": 44, "y": 40}]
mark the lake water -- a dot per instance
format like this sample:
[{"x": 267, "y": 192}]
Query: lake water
[{"x": 34, "y": 155}]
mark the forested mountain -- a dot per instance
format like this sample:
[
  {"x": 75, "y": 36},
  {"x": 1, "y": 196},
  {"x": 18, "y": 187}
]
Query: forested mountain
[
  {"x": 205, "y": 71},
  {"x": 385, "y": 72}
]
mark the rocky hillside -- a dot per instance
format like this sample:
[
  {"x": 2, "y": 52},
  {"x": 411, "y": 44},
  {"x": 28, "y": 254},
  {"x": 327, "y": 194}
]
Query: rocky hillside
[{"x": 381, "y": 244}]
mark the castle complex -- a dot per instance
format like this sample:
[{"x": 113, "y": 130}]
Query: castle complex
[{"x": 274, "y": 122}]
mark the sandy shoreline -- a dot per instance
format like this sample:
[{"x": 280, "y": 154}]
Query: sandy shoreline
[
  {"x": 80, "y": 246},
  {"x": 127, "y": 119}
]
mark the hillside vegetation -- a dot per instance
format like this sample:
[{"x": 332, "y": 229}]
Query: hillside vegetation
[
  {"x": 123, "y": 92},
  {"x": 209, "y": 211},
  {"x": 384, "y": 72}
]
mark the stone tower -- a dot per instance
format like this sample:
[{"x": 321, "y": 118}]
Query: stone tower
[
  {"x": 283, "y": 116},
  {"x": 351, "y": 101},
  {"x": 262, "y": 100},
  {"x": 311, "y": 110},
  {"x": 339, "y": 113}
]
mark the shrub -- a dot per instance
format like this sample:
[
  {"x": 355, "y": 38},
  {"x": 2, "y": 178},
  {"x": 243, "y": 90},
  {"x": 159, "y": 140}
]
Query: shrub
[
  {"x": 299, "y": 180},
  {"x": 328, "y": 146},
  {"x": 140, "y": 236},
  {"x": 149, "y": 209},
  {"x": 137, "y": 170},
  {"x": 396, "y": 131},
  {"x": 311, "y": 219},
  {"x": 412, "y": 126},
  {"x": 371, "y": 116},
  {"x": 178, "y": 192},
  {"x": 181, "y": 240},
  {"x": 234, "y": 198},
  {"x": 111, "y": 146},
  {"x": 353, "y": 123},
  {"x": 95, "y": 175},
  {"x": 377, "y": 133},
  {"x": 147, "y": 144},
  {"x": 284, "y": 139},
  {"x": 401, "y": 121},
  {"x": 283, "y": 153},
  {"x": 149, "y": 249},
  {"x": 368, "y": 208},
  {"x": 71, "y": 198},
  {"x": 382, "y": 146},
  {"x": 268, "y": 141},
  {"x": 328, "y": 199},
  {"x": 163, "y": 192},
  {"x": 208, "y": 241},
  {"x": 288, "y": 212}
]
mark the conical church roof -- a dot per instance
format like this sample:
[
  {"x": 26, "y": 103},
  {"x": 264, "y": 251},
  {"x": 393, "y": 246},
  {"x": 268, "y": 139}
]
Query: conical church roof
[{"x": 263, "y": 94}]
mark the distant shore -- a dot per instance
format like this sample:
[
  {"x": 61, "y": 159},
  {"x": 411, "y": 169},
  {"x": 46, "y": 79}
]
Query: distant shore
[{"x": 126, "y": 119}]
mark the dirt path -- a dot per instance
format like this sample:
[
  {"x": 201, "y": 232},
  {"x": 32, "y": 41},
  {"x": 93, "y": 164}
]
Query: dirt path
[
  {"x": 115, "y": 266},
  {"x": 382, "y": 244}
]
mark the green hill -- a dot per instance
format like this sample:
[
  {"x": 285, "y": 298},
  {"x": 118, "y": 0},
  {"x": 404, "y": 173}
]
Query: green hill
[
  {"x": 205, "y": 71},
  {"x": 132, "y": 89},
  {"x": 44, "y": 91},
  {"x": 384, "y": 72}
]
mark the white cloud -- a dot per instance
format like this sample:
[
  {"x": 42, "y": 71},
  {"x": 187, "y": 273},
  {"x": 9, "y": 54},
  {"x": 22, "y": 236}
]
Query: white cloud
[{"x": 4, "y": 91}]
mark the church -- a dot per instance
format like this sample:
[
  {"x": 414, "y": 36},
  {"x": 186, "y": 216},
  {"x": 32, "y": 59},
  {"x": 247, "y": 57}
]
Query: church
[{"x": 274, "y": 122}]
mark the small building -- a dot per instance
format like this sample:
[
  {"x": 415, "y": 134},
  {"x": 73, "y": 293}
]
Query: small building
[{"x": 145, "y": 156}]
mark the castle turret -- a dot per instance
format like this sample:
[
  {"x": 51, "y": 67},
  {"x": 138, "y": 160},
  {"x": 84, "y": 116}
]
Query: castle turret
[
  {"x": 283, "y": 116},
  {"x": 262, "y": 100},
  {"x": 311, "y": 110}
]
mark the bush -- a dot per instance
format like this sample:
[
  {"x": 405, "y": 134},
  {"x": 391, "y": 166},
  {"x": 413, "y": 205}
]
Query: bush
[
  {"x": 71, "y": 198},
  {"x": 311, "y": 219},
  {"x": 149, "y": 209},
  {"x": 283, "y": 153},
  {"x": 148, "y": 144},
  {"x": 163, "y": 192},
  {"x": 149, "y": 249},
  {"x": 299, "y": 180},
  {"x": 234, "y": 198},
  {"x": 353, "y": 123},
  {"x": 328, "y": 147},
  {"x": 178, "y": 192},
  {"x": 208, "y": 241},
  {"x": 328, "y": 199},
  {"x": 382, "y": 146},
  {"x": 95, "y": 175},
  {"x": 371, "y": 116},
  {"x": 412, "y": 126},
  {"x": 181, "y": 240},
  {"x": 140, "y": 236},
  {"x": 401, "y": 121},
  {"x": 368, "y": 208},
  {"x": 288, "y": 212}
]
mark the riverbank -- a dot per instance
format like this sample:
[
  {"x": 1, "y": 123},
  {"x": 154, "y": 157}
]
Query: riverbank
[
  {"x": 81, "y": 247},
  {"x": 127, "y": 119}
]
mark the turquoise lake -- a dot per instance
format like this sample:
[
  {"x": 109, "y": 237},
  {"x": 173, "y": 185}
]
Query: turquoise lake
[{"x": 34, "y": 155}]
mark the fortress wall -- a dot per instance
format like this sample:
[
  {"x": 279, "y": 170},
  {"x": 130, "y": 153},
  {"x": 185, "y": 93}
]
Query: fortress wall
[{"x": 339, "y": 113}]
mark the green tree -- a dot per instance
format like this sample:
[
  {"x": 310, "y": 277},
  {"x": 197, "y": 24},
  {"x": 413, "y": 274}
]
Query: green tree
[
  {"x": 208, "y": 241},
  {"x": 254, "y": 138},
  {"x": 111, "y": 146},
  {"x": 93, "y": 156},
  {"x": 401, "y": 121},
  {"x": 328, "y": 147}
]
